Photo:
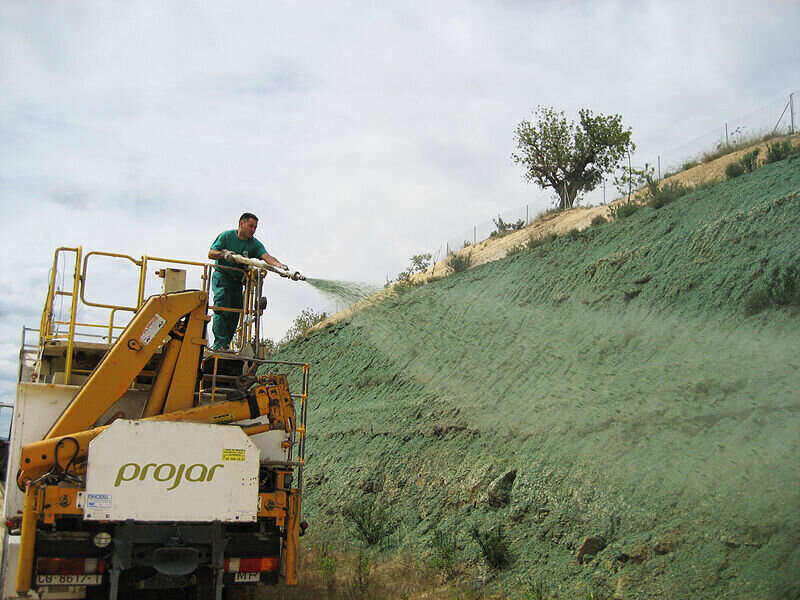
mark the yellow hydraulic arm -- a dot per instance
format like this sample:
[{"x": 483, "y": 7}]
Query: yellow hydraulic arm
[
  {"x": 268, "y": 395},
  {"x": 131, "y": 352}
]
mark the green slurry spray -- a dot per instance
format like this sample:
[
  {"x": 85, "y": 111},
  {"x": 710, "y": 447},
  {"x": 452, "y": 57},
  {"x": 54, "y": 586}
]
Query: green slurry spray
[{"x": 342, "y": 293}]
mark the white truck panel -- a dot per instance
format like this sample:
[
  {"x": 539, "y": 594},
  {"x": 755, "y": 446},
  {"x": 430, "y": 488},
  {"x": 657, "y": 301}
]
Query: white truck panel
[
  {"x": 163, "y": 471},
  {"x": 36, "y": 409},
  {"x": 269, "y": 442}
]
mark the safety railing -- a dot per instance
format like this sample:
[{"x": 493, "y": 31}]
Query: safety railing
[{"x": 69, "y": 328}]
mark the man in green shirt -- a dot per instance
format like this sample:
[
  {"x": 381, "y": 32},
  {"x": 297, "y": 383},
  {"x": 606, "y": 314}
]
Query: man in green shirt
[{"x": 227, "y": 284}]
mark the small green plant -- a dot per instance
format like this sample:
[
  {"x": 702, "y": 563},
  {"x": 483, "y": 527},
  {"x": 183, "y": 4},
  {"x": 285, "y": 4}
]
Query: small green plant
[
  {"x": 779, "y": 151},
  {"x": 630, "y": 180},
  {"x": 503, "y": 228},
  {"x": 445, "y": 554},
  {"x": 371, "y": 523},
  {"x": 734, "y": 170},
  {"x": 493, "y": 545},
  {"x": 458, "y": 263},
  {"x": 623, "y": 210},
  {"x": 534, "y": 590},
  {"x": 359, "y": 585},
  {"x": 598, "y": 220},
  {"x": 749, "y": 161},
  {"x": 327, "y": 563},
  {"x": 781, "y": 289}
]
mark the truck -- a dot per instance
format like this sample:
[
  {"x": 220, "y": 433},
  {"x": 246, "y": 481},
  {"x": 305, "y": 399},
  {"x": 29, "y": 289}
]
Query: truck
[{"x": 140, "y": 463}]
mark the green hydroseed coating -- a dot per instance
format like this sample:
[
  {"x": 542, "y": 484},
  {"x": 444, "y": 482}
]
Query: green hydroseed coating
[{"x": 617, "y": 372}]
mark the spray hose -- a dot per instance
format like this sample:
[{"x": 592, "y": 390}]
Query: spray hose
[{"x": 260, "y": 264}]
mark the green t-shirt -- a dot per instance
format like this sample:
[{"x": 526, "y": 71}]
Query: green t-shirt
[{"x": 229, "y": 240}]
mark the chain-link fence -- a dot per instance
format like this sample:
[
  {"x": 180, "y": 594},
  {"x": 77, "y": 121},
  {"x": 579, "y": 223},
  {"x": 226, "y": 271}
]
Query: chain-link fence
[{"x": 779, "y": 117}]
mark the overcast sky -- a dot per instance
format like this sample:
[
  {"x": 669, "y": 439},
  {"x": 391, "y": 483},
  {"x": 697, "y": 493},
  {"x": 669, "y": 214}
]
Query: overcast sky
[{"x": 360, "y": 135}]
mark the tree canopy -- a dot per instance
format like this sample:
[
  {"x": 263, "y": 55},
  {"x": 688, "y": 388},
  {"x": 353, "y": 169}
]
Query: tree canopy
[{"x": 571, "y": 158}]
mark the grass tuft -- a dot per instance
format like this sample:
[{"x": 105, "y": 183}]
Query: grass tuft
[
  {"x": 493, "y": 545},
  {"x": 458, "y": 263},
  {"x": 661, "y": 195}
]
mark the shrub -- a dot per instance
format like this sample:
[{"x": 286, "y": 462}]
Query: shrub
[
  {"x": 574, "y": 234},
  {"x": 307, "y": 318},
  {"x": 444, "y": 554},
  {"x": 458, "y": 263},
  {"x": 749, "y": 161},
  {"x": 598, "y": 220},
  {"x": 418, "y": 264},
  {"x": 534, "y": 242},
  {"x": 493, "y": 545},
  {"x": 782, "y": 288},
  {"x": 734, "y": 169},
  {"x": 370, "y": 522},
  {"x": 779, "y": 151},
  {"x": 623, "y": 210},
  {"x": 504, "y": 228},
  {"x": 663, "y": 195}
]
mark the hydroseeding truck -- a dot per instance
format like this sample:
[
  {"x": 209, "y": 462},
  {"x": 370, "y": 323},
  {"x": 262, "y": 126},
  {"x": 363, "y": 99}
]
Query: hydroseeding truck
[{"x": 140, "y": 464}]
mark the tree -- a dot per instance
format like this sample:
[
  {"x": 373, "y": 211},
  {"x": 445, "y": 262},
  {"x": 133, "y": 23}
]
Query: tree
[{"x": 571, "y": 158}]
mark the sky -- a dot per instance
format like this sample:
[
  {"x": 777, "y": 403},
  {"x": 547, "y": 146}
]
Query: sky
[{"x": 360, "y": 133}]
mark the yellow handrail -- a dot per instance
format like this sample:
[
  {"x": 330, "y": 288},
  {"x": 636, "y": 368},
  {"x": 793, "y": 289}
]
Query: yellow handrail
[
  {"x": 76, "y": 282},
  {"x": 250, "y": 307}
]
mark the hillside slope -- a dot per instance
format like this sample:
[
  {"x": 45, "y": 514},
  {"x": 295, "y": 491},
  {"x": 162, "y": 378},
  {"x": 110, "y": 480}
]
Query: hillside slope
[{"x": 607, "y": 385}]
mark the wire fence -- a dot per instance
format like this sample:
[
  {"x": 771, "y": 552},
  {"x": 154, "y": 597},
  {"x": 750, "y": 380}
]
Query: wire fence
[{"x": 780, "y": 117}]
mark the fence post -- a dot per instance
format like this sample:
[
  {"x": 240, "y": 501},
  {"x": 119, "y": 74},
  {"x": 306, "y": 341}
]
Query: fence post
[
  {"x": 527, "y": 220},
  {"x": 791, "y": 112},
  {"x": 659, "y": 167},
  {"x": 630, "y": 176},
  {"x": 727, "y": 143},
  {"x": 474, "y": 234}
]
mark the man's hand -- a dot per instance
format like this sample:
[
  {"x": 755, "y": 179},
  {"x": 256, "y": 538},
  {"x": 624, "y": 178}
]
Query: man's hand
[{"x": 227, "y": 254}]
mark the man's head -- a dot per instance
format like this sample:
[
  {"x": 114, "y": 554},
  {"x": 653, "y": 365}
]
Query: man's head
[{"x": 247, "y": 225}]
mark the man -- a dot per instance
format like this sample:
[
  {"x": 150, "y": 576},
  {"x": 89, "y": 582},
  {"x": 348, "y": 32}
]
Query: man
[{"x": 227, "y": 284}]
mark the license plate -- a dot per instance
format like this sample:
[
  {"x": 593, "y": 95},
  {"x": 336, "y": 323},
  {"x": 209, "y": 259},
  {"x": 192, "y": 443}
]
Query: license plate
[
  {"x": 69, "y": 579},
  {"x": 246, "y": 577}
]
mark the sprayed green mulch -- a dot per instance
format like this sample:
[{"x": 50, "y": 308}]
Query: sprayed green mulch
[{"x": 609, "y": 384}]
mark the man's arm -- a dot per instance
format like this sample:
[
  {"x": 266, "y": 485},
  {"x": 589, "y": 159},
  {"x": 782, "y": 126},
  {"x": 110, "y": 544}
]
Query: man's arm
[
  {"x": 271, "y": 260},
  {"x": 218, "y": 254}
]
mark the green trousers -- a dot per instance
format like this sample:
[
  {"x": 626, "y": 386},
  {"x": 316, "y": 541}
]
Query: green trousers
[{"x": 228, "y": 294}]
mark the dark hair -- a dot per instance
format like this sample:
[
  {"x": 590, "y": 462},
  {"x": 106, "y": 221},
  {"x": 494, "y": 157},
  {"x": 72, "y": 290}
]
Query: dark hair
[{"x": 247, "y": 216}]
